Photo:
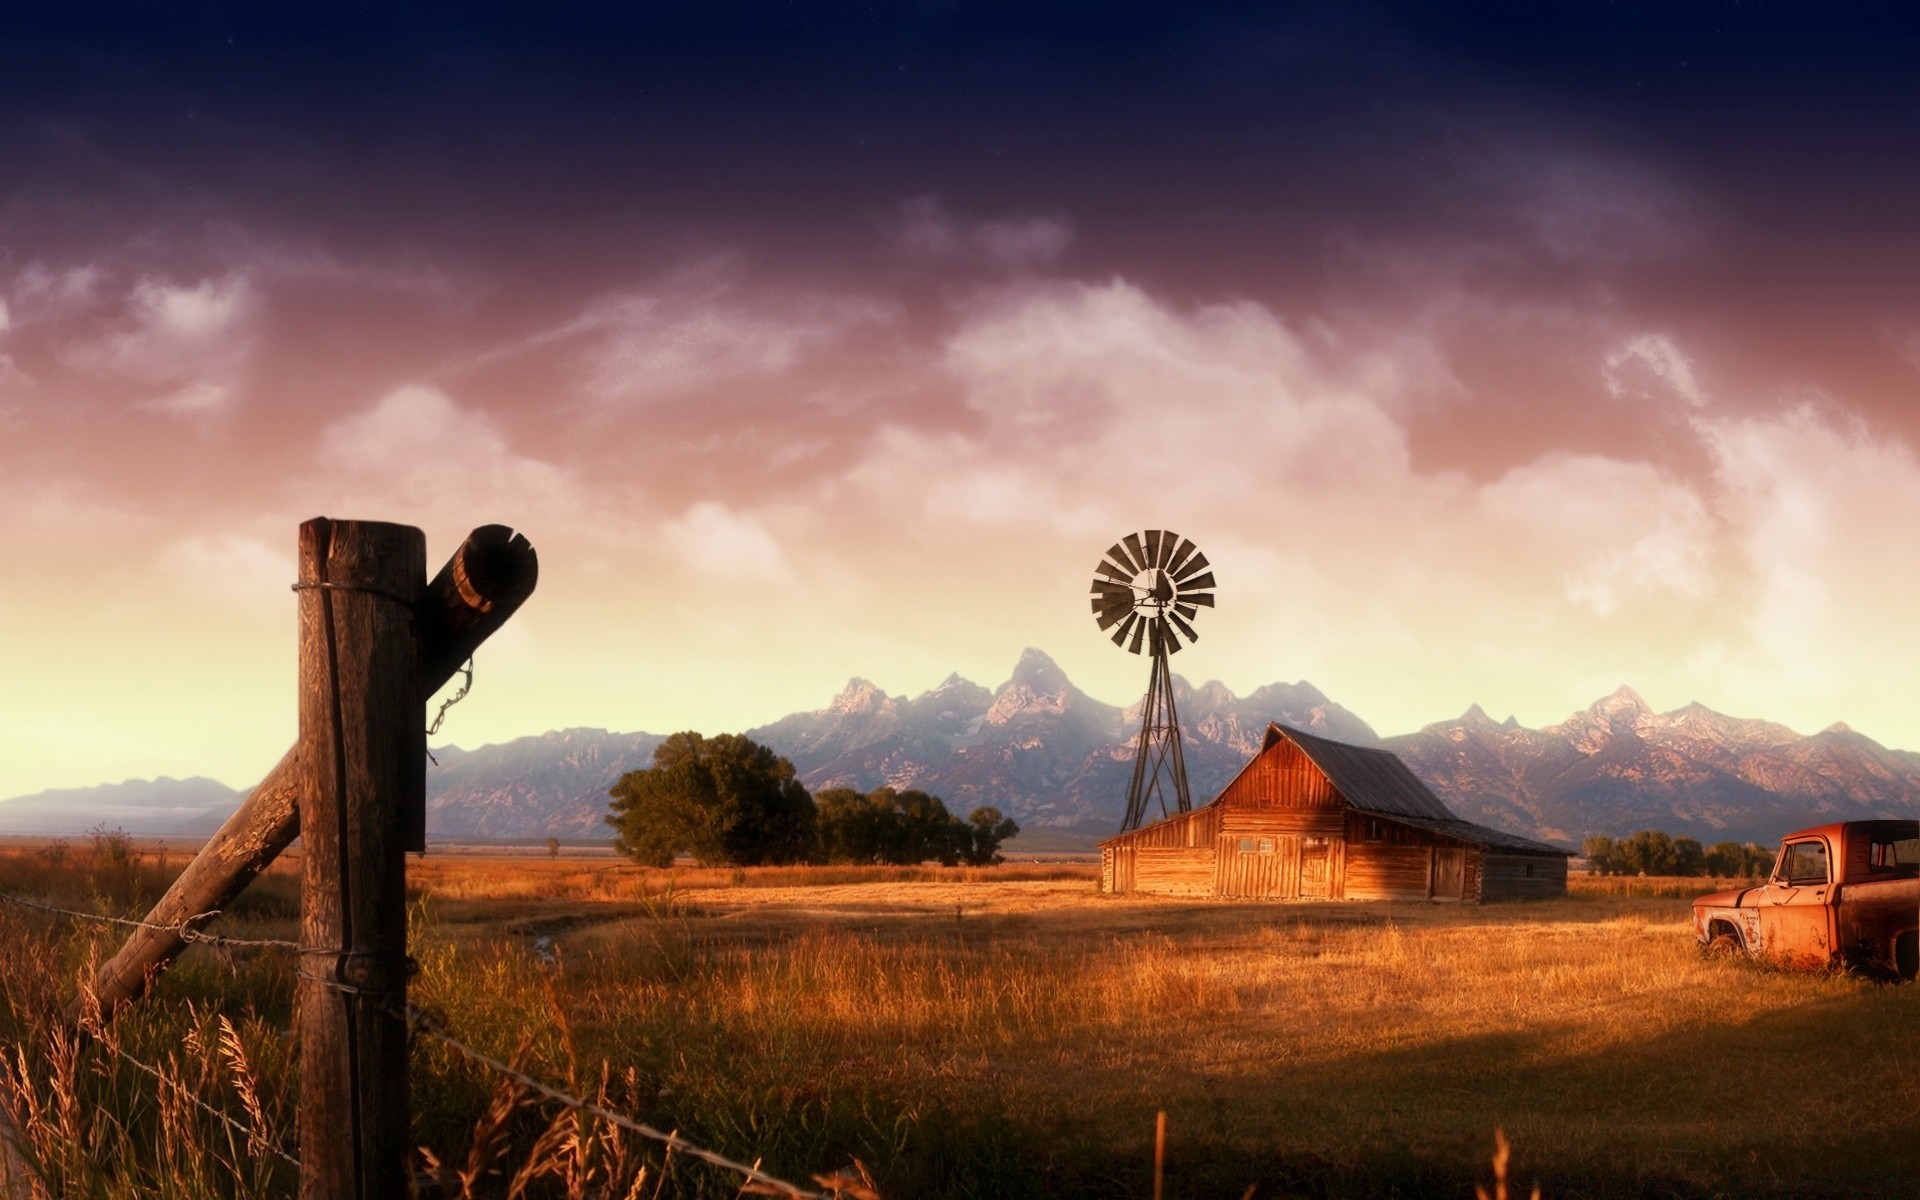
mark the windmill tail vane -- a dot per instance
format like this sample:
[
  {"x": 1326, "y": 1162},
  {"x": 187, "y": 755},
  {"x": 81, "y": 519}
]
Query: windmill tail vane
[{"x": 1147, "y": 589}]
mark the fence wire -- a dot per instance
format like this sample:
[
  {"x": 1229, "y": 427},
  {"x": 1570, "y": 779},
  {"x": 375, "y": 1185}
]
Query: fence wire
[
  {"x": 181, "y": 1089},
  {"x": 424, "y": 1023},
  {"x": 183, "y": 929},
  {"x": 772, "y": 1185}
]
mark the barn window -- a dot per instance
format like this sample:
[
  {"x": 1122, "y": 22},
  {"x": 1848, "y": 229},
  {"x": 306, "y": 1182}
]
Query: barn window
[
  {"x": 1246, "y": 845},
  {"x": 1376, "y": 830},
  {"x": 1529, "y": 870},
  {"x": 1266, "y": 845}
]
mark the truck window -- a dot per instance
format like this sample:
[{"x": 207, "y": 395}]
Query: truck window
[
  {"x": 1898, "y": 857},
  {"x": 1804, "y": 863}
]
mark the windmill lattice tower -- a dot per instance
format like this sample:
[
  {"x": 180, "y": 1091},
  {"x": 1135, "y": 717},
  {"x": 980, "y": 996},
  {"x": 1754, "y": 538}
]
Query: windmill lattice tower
[{"x": 1148, "y": 589}]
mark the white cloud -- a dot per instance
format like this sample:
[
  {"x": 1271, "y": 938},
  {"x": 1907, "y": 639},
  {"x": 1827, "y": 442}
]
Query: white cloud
[
  {"x": 1618, "y": 531},
  {"x": 40, "y": 290},
  {"x": 416, "y": 456},
  {"x": 1648, "y": 364},
  {"x": 228, "y": 569},
  {"x": 928, "y": 230},
  {"x": 718, "y": 541},
  {"x": 192, "y": 336},
  {"x": 194, "y": 400},
  {"x": 1826, "y": 516},
  {"x": 706, "y": 330}
]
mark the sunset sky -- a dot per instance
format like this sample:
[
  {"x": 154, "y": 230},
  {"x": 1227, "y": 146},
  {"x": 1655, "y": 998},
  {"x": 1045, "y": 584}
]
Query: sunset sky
[{"x": 1497, "y": 353}]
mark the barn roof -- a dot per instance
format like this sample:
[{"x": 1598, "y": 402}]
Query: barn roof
[
  {"x": 1374, "y": 781},
  {"x": 1378, "y": 782}
]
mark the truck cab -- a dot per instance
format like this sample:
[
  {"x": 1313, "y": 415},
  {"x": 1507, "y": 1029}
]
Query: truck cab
[{"x": 1839, "y": 895}]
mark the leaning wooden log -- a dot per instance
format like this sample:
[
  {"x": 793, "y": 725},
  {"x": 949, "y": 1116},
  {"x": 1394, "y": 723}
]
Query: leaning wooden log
[{"x": 488, "y": 578}]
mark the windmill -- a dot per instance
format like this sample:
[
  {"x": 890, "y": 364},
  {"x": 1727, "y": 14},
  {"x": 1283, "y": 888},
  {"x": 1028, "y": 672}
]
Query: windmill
[{"x": 1148, "y": 589}]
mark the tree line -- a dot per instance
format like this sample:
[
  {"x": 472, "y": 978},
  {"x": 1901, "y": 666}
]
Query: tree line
[
  {"x": 1651, "y": 852},
  {"x": 728, "y": 800}
]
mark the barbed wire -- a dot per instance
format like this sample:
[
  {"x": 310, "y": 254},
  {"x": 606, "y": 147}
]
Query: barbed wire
[
  {"x": 425, "y": 1023},
  {"x": 183, "y": 929},
  {"x": 182, "y": 1090}
]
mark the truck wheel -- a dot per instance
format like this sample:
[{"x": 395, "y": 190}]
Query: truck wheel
[{"x": 1724, "y": 945}]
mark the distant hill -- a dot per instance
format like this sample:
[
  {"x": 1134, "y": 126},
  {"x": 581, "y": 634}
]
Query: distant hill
[
  {"x": 1058, "y": 761},
  {"x": 1037, "y": 746},
  {"x": 1618, "y": 766},
  {"x": 162, "y": 807},
  {"x": 546, "y": 786}
]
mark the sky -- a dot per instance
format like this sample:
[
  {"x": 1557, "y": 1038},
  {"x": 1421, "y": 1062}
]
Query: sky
[{"x": 1493, "y": 353}]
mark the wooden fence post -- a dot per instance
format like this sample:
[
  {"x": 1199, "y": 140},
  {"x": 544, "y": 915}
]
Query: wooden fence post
[
  {"x": 485, "y": 582},
  {"x": 362, "y": 767}
]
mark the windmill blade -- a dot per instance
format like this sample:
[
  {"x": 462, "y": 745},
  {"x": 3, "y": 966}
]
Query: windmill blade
[
  {"x": 1139, "y": 552},
  {"x": 1108, "y": 618},
  {"x": 1155, "y": 554},
  {"x": 1205, "y": 598},
  {"x": 1183, "y": 627},
  {"x": 1114, "y": 573},
  {"x": 1139, "y": 635},
  {"x": 1185, "y": 551},
  {"x": 1167, "y": 639},
  {"x": 1168, "y": 540},
  {"x": 1196, "y": 565},
  {"x": 1186, "y": 610},
  {"x": 1204, "y": 581},
  {"x": 1111, "y": 610},
  {"x": 1110, "y": 587},
  {"x": 1120, "y": 634},
  {"x": 1118, "y": 553}
]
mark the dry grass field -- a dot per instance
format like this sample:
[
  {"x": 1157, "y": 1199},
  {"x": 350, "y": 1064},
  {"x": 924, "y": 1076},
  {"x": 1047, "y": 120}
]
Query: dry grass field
[{"x": 1004, "y": 1032}]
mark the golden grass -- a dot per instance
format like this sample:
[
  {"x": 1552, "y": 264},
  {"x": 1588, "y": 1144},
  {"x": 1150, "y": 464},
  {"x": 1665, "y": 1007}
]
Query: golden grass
[{"x": 996, "y": 1034}]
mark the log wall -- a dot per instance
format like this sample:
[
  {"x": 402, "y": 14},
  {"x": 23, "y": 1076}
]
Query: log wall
[
  {"x": 1281, "y": 777},
  {"x": 1523, "y": 877},
  {"x": 1174, "y": 856}
]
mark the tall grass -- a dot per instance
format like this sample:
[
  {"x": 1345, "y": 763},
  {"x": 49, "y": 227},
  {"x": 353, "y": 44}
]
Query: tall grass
[{"x": 1017, "y": 1044}]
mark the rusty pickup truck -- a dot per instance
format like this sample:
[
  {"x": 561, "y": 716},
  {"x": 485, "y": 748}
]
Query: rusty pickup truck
[{"x": 1840, "y": 895}]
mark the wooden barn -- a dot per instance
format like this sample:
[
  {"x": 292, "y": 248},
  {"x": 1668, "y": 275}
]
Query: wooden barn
[{"x": 1312, "y": 818}]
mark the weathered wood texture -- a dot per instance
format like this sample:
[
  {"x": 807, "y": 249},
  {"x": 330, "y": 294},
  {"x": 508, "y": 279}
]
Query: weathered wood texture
[
  {"x": 1382, "y": 871},
  {"x": 1523, "y": 877},
  {"x": 361, "y": 766},
  {"x": 1168, "y": 856},
  {"x": 1283, "y": 830},
  {"x": 1281, "y": 777},
  {"x": 486, "y": 581}
]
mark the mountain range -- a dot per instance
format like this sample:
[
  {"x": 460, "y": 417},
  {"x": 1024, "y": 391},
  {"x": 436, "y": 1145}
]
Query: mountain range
[{"x": 1058, "y": 761}]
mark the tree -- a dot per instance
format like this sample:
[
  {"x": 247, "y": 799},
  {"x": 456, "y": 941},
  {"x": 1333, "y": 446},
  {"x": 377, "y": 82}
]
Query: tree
[
  {"x": 1688, "y": 857},
  {"x": 1727, "y": 860},
  {"x": 1648, "y": 852},
  {"x": 986, "y": 830},
  {"x": 553, "y": 847},
  {"x": 855, "y": 828},
  {"x": 905, "y": 828},
  {"x": 1601, "y": 854},
  {"x": 724, "y": 800}
]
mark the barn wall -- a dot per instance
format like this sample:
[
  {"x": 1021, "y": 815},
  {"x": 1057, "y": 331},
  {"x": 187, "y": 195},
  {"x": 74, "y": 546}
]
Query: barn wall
[
  {"x": 1173, "y": 870},
  {"x": 1382, "y": 871},
  {"x": 1269, "y": 867},
  {"x": 1505, "y": 877},
  {"x": 1280, "y": 776},
  {"x": 1163, "y": 857}
]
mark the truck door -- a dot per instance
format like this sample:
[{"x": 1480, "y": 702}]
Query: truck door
[{"x": 1795, "y": 922}]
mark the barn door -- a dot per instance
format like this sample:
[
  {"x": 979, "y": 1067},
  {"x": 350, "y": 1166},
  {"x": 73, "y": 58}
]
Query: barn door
[
  {"x": 1315, "y": 869},
  {"x": 1449, "y": 874}
]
